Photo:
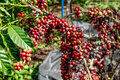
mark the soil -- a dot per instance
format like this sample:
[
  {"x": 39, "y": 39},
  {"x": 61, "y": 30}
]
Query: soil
[{"x": 40, "y": 55}]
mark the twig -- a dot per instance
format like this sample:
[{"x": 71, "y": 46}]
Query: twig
[
  {"x": 86, "y": 66},
  {"x": 117, "y": 21},
  {"x": 94, "y": 38},
  {"x": 70, "y": 14},
  {"x": 114, "y": 71},
  {"x": 112, "y": 18},
  {"x": 89, "y": 37},
  {"x": 90, "y": 33},
  {"x": 10, "y": 4},
  {"x": 6, "y": 26},
  {"x": 111, "y": 57},
  {"x": 119, "y": 74},
  {"x": 101, "y": 60},
  {"x": 32, "y": 7},
  {"x": 89, "y": 74}
]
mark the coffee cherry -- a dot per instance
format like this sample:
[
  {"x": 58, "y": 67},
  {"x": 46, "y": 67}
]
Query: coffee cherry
[
  {"x": 85, "y": 51},
  {"x": 18, "y": 66},
  {"x": 112, "y": 38},
  {"x": 25, "y": 67}
]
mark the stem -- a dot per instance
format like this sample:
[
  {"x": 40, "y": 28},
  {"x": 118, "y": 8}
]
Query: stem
[
  {"x": 119, "y": 74},
  {"x": 101, "y": 76},
  {"x": 90, "y": 33},
  {"x": 5, "y": 26},
  {"x": 0, "y": 22},
  {"x": 89, "y": 74},
  {"x": 13, "y": 6},
  {"x": 117, "y": 21},
  {"x": 89, "y": 37},
  {"x": 24, "y": 62},
  {"x": 86, "y": 66},
  {"x": 17, "y": 5},
  {"x": 94, "y": 38},
  {"x": 112, "y": 18},
  {"x": 111, "y": 57},
  {"x": 32, "y": 7},
  {"x": 114, "y": 71}
]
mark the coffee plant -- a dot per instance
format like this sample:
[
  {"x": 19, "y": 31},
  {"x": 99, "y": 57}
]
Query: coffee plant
[{"x": 84, "y": 56}]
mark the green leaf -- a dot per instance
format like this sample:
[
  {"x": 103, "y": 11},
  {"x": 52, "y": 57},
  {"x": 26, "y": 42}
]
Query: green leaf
[
  {"x": 23, "y": 72},
  {"x": 20, "y": 77},
  {"x": 1, "y": 42},
  {"x": 1, "y": 15},
  {"x": 5, "y": 63},
  {"x": 20, "y": 38},
  {"x": 14, "y": 51},
  {"x": 3, "y": 1},
  {"x": 2, "y": 9},
  {"x": 5, "y": 44},
  {"x": 16, "y": 77}
]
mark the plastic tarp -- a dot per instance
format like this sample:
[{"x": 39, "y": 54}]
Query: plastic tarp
[{"x": 50, "y": 68}]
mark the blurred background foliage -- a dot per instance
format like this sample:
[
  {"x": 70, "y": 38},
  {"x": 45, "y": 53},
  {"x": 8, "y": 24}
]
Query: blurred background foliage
[
  {"x": 101, "y": 4},
  {"x": 51, "y": 2},
  {"x": 86, "y": 4}
]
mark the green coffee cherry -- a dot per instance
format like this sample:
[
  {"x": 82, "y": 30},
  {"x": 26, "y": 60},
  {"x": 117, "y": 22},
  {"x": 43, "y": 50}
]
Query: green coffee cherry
[
  {"x": 113, "y": 30},
  {"x": 25, "y": 67},
  {"x": 100, "y": 13},
  {"x": 119, "y": 37}
]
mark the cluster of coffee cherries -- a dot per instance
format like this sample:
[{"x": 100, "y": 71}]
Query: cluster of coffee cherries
[
  {"x": 89, "y": 53},
  {"x": 93, "y": 58},
  {"x": 74, "y": 49},
  {"x": 77, "y": 12},
  {"x": 71, "y": 38},
  {"x": 18, "y": 66},
  {"x": 96, "y": 13},
  {"x": 36, "y": 33},
  {"x": 31, "y": 21},
  {"x": 40, "y": 4},
  {"x": 22, "y": 15},
  {"x": 107, "y": 33},
  {"x": 116, "y": 26},
  {"x": 92, "y": 52},
  {"x": 35, "y": 43},
  {"x": 70, "y": 58},
  {"x": 26, "y": 55},
  {"x": 45, "y": 27}
]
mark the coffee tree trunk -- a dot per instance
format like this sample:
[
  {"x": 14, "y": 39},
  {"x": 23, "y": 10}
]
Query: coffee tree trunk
[{"x": 69, "y": 10}]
